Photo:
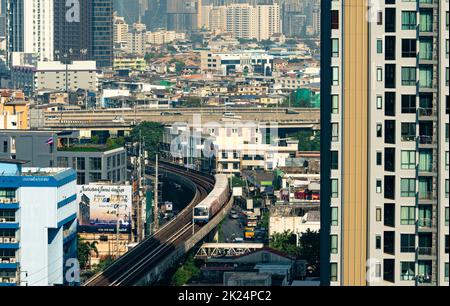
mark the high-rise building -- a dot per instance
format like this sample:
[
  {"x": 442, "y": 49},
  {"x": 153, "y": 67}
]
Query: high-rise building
[
  {"x": 30, "y": 25},
  {"x": 53, "y": 30},
  {"x": 183, "y": 15},
  {"x": 137, "y": 39},
  {"x": 120, "y": 30},
  {"x": 101, "y": 40},
  {"x": 72, "y": 30},
  {"x": 385, "y": 124},
  {"x": 253, "y": 21}
]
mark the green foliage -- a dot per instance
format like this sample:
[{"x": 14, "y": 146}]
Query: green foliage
[
  {"x": 149, "y": 56},
  {"x": 237, "y": 182},
  {"x": 310, "y": 249},
  {"x": 171, "y": 49},
  {"x": 179, "y": 65},
  {"x": 285, "y": 242},
  {"x": 104, "y": 263},
  {"x": 188, "y": 271},
  {"x": 114, "y": 143},
  {"x": 95, "y": 139},
  {"x": 265, "y": 220},
  {"x": 151, "y": 133},
  {"x": 85, "y": 250},
  {"x": 308, "y": 140}
]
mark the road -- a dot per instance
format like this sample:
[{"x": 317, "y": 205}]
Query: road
[{"x": 232, "y": 228}]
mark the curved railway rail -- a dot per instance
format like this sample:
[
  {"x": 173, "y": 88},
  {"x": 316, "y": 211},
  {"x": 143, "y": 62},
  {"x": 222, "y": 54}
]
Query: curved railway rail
[{"x": 134, "y": 264}]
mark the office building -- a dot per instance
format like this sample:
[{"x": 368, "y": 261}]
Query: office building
[
  {"x": 385, "y": 122},
  {"x": 38, "y": 227}
]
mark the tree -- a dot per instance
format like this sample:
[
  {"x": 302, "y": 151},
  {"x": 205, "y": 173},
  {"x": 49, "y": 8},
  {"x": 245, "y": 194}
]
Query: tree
[
  {"x": 151, "y": 133},
  {"x": 114, "y": 143},
  {"x": 308, "y": 140},
  {"x": 285, "y": 242},
  {"x": 310, "y": 250},
  {"x": 85, "y": 249},
  {"x": 186, "y": 272}
]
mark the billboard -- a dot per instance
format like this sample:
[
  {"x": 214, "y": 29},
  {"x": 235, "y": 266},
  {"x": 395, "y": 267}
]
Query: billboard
[{"x": 101, "y": 206}]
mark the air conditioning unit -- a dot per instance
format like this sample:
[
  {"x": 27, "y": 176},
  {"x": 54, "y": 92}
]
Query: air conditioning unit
[
  {"x": 12, "y": 260},
  {"x": 7, "y": 200},
  {"x": 14, "y": 200},
  {"x": 1, "y": 239},
  {"x": 13, "y": 240},
  {"x": 5, "y": 260},
  {"x": 2, "y": 200},
  {"x": 12, "y": 280},
  {"x": 2, "y": 220},
  {"x": 6, "y": 240}
]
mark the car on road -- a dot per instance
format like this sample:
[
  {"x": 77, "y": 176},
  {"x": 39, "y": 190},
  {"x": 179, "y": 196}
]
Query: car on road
[
  {"x": 234, "y": 216},
  {"x": 233, "y": 212}
]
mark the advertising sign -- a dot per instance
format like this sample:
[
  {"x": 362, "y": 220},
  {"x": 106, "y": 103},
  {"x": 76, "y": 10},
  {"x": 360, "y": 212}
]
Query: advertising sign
[{"x": 102, "y": 206}]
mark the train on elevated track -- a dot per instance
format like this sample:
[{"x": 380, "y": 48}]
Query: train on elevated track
[{"x": 214, "y": 202}]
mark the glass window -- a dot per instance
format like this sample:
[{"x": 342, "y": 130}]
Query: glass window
[
  {"x": 379, "y": 46},
  {"x": 333, "y": 272},
  {"x": 408, "y": 159},
  {"x": 335, "y": 104},
  {"x": 334, "y": 244},
  {"x": 408, "y": 187},
  {"x": 408, "y": 76},
  {"x": 335, "y": 47},
  {"x": 334, "y": 216},
  {"x": 408, "y": 215},
  {"x": 408, "y": 243},
  {"x": 334, "y": 188},
  {"x": 408, "y": 271},
  {"x": 409, "y": 21}
]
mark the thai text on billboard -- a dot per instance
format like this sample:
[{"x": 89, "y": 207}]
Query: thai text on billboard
[{"x": 102, "y": 206}]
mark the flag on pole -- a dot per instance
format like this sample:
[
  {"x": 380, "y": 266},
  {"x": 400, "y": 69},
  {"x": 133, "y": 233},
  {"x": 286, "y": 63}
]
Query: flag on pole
[{"x": 50, "y": 141}]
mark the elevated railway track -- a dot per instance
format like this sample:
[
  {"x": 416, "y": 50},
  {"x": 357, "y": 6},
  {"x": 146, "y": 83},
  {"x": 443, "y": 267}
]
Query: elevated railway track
[{"x": 135, "y": 264}]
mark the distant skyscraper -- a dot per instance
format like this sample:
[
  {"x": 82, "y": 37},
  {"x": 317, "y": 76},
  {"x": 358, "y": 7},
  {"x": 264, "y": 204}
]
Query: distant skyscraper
[
  {"x": 31, "y": 27},
  {"x": 84, "y": 35},
  {"x": 101, "y": 43},
  {"x": 183, "y": 15},
  {"x": 155, "y": 16},
  {"x": 72, "y": 30}
]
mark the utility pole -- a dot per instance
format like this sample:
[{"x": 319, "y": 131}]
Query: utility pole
[
  {"x": 155, "y": 196},
  {"x": 117, "y": 226},
  {"x": 139, "y": 175}
]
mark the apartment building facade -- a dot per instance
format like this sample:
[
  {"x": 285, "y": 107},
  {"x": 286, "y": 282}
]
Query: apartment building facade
[
  {"x": 38, "y": 227},
  {"x": 385, "y": 122}
]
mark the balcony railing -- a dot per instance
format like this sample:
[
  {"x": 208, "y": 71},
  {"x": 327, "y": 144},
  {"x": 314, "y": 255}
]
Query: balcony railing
[
  {"x": 7, "y": 220},
  {"x": 428, "y": 195},
  {"x": 8, "y": 200},
  {"x": 425, "y": 112},
  {"x": 426, "y": 251},
  {"x": 425, "y": 139},
  {"x": 425, "y": 222},
  {"x": 424, "y": 279},
  {"x": 7, "y": 260}
]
